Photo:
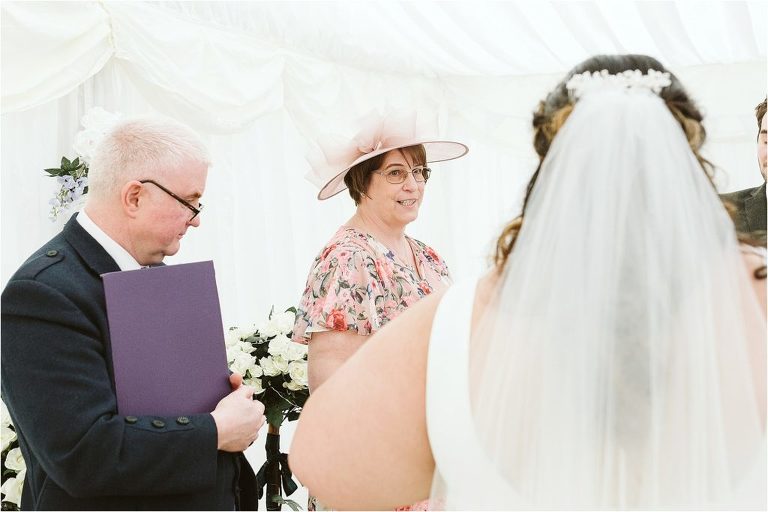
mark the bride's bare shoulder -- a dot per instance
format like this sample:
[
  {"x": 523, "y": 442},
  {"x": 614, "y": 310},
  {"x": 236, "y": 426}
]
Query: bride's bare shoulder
[
  {"x": 754, "y": 260},
  {"x": 486, "y": 288}
]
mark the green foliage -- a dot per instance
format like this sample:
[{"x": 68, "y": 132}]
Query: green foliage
[
  {"x": 74, "y": 168},
  {"x": 282, "y": 501}
]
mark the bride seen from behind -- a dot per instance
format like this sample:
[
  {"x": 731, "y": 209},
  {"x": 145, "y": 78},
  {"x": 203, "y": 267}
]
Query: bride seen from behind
[{"x": 613, "y": 358}]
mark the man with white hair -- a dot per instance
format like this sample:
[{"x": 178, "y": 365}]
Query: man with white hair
[{"x": 145, "y": 183}]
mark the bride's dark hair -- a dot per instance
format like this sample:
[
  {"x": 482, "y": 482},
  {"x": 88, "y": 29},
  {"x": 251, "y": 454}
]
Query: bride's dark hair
[{"x": 554, "y": 110}]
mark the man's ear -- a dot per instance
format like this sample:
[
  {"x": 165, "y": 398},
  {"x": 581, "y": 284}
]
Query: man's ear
[{"x": 131, "y": 198}]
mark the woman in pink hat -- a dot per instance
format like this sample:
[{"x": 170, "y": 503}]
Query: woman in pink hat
[{"x": 370, "y": 271}]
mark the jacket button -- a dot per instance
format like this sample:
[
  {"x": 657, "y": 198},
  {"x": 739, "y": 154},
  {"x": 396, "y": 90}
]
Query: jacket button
[
  {"x": 52, "y": 253},
  {"x": 131, "y": 419},
  {"x": 158, "y": 423},
  {"x": 182, "y": 420}
]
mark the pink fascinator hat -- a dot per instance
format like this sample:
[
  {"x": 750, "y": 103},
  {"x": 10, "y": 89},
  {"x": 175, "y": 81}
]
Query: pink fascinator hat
[{"x": 337, "y": 155}]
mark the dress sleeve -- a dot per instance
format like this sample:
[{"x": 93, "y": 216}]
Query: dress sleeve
[{"x": 345, "y": 292}]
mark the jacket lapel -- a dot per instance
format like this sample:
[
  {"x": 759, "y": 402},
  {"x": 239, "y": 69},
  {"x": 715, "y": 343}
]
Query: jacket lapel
[
  {"x": 92, "y": 253},
  {"x": 755, "y": 209}
]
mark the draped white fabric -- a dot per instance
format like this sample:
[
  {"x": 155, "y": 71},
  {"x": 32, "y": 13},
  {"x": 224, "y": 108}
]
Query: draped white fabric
[{"x": 260, "y": 80}]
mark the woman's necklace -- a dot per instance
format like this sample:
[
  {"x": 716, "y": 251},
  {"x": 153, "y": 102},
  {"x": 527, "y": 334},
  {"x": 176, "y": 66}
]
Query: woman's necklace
[
  {"x": 407, "y": 256},
  {"x": 401, "y": 249}
]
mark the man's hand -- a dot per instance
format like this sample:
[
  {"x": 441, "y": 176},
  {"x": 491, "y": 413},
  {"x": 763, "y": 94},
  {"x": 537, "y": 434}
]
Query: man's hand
[
  {"x": 235, "y": 380},
  {"x": 238, "y": 417}
]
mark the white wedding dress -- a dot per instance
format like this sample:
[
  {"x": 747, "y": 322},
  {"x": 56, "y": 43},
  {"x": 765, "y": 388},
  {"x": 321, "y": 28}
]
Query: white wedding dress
[
  {"x": 465, "y": 476},
  {"x": 459, "y": 457}
]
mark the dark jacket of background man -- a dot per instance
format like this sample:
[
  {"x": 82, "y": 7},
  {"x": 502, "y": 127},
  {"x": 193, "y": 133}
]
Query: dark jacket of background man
[{"x": 750, "y": 203}]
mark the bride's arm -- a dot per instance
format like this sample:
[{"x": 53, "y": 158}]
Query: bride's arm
[
  {"x": 361, "y": 442},
  {"x": 755, "y": 263}
]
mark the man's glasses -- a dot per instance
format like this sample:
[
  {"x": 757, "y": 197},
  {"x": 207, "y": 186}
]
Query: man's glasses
[
  {"x": 399, "y": 175},
  {"x": 195, "y": 210}
]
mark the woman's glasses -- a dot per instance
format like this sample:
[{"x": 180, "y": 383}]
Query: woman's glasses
[{"x": 399, "y": 174}]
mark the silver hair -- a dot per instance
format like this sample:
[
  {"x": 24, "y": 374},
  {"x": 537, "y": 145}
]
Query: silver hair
[{"x": 142, "y": 148}]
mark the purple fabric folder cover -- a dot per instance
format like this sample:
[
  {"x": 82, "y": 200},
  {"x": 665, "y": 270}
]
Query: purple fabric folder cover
[{"x": 168, "y": 349}]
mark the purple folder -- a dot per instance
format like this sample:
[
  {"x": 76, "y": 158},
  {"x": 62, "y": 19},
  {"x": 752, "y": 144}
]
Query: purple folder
[{"x": 168, "y": 348}]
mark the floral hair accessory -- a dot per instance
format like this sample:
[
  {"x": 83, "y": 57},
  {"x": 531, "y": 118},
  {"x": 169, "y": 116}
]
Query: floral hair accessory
[{"x": 635, "y": 80}]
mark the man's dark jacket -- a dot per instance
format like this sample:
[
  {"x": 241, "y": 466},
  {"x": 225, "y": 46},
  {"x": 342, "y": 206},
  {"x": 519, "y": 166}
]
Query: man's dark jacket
[
  {"x": 58, "y": 384},
  {"x": 750, "y": 209}
]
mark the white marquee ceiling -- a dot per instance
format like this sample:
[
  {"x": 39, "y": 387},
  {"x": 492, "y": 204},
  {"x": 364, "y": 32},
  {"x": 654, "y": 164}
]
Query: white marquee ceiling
[{"x": 495, "y": 38}]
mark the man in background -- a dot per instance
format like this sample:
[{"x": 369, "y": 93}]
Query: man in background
[{"x": 750, "y": 204}]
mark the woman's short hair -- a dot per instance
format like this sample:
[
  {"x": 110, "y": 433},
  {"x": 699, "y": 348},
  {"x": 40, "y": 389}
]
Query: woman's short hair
[
  {"x": 142, "y": 148},
  {"x": 358, "y": 178}
]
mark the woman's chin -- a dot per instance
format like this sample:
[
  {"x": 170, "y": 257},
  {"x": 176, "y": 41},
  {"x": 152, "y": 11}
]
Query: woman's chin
[{"x": 407, "y": 219}]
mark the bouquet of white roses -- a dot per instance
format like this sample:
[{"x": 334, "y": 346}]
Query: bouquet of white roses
[
  {"x": 277, "y": 368},
  {"x": 273, "y": 364},
  {"x": 72, "y": 175},
  {"x": 13, "y": 465}
]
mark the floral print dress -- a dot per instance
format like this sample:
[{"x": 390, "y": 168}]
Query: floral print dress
[{"x": 357, "y": 284}]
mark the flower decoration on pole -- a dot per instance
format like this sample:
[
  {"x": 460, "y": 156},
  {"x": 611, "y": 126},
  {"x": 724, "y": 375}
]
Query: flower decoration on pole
[
  {"x": 13, "y": 466},
  {"x": 277, "y": 368},
  {"x": 72, "y": 175}
]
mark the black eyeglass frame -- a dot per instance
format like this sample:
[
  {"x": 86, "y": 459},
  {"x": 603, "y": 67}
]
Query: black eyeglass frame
[
  {"x": 195, "y": 210},
  {"x": 425, "y": 172}
]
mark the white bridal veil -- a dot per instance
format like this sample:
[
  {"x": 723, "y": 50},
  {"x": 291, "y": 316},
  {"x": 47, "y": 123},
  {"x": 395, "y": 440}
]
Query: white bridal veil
[{"x": 622, "y": 363}]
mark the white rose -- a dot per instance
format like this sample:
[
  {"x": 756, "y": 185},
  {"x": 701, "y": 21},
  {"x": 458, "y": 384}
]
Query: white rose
[
  {"x": 86, "y": 142},
  {"x": 96, "y": 123},
  {"x": 268, "y": 366},
  {"x": 14, "y": 461},
  {"x": 296, "y": 351},
  {"x": 284, "y": 321},
  {"x": 245, "y": 346},
  {"x": 268, "y": 328},
  {"x": 235, "y": 350},
  {"x": 99, "y": 119},
  {"x": 12, "y": 487},
  {"x": 298, "y": 372},
  {"x": 280, "y": 363},
  {"x": 232, "y": 353},
  {"x": 7, "y": 436},
  {"x": 232, "y": 336},
  {"x": 256, "y": 370},
  {"x": 279, "y": 346},
  {"x": 282, "y": 338},
  {"x": 256, "y": 384},
  {"x": 242, "y": 362},
  {"x": 293, "y": 386},
  {"x": 5, "y": 416}
]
